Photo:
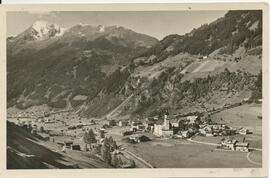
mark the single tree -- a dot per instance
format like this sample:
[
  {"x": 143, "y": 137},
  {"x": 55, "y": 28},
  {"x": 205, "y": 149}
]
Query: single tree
[
  {"x": 89, "y": 137},
  {"x": 120, "y": 162},
  {"x": 106, "y": 154},
  {"x": 114, "y": 145},
  {"x": 110, "y": 140},
  {"x": 41, "y": 129},
  {"x": 132, "y": 163},
  {"x": 115, "y": 161}
]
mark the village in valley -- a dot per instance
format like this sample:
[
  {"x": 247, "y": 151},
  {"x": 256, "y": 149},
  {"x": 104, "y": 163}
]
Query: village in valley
[
  {"x": 117, "y": 141},
  {"x": 84, "y": 95}
]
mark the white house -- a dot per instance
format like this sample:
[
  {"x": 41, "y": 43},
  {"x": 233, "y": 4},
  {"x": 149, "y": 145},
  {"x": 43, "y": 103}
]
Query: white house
[
  {"x": 192, "y": 119},
  {"x": 157, "y": 129},
  {"x": 243, "y": 131}
]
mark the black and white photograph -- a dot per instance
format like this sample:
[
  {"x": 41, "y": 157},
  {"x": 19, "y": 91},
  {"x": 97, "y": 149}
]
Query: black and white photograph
[{"x": 134, "y": 89}]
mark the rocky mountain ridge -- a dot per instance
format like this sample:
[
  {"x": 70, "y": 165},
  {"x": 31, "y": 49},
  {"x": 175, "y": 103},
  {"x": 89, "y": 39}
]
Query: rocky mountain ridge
[{"x": 98, "y": 68}]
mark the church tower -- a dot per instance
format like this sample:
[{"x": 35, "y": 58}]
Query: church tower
[{"x": 166, "y": 124}]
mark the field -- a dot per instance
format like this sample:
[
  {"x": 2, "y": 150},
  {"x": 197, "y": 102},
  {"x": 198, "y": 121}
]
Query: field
[
  {"x": 201, "y": 69},
  {"x": 244, "y": 116},
  {"x": 155, "y": 69},
  {"x": 183, "y": 154},
  {"x": 171, "y": 153},
  {"x": 174, "y": 153}
]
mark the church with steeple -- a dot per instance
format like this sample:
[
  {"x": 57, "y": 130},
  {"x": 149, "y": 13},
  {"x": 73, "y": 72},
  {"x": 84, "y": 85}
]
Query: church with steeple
[{"x": 163, "y": 126}]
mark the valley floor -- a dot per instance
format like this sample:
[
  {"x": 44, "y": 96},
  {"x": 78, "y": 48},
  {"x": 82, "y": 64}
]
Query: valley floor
[
  {"x": 172, "y": 153},
  {"x": 198, "y": 152}
]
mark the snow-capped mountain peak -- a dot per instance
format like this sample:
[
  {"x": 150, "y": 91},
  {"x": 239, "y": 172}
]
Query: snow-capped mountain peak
[
  {"x": 83, "y": 24},
  {"x": 40, "y": 25},
  {"x": 42, "y": 29},
  {"x": 101, "y": 28}
]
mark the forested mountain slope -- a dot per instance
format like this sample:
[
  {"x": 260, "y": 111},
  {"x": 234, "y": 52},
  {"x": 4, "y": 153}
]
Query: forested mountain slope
[{"x": 94, "y": 69}]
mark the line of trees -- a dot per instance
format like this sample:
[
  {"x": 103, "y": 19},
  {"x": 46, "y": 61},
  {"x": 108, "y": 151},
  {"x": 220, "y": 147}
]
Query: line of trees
[
  {"x": 200, "y": 89},
  {"x": 89, "y": 138},
  {"x": 105, "y": 150}
]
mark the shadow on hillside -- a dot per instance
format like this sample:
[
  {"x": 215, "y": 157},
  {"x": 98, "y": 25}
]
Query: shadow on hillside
[{"x": 24, "y": 153}]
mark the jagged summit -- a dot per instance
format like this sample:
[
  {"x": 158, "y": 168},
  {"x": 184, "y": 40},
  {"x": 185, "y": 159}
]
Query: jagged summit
[
  {"x": 40, "y": 30},
  {"x": 101, "y": 28},
  {"x": 44, "y": 29}
]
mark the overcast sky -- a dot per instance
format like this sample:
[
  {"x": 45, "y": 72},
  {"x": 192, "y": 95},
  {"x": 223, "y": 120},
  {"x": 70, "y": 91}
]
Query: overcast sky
[{"x": 157, "y": 24}]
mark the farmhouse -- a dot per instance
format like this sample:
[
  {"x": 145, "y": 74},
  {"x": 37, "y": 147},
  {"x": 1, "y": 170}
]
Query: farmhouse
[
  {"x": 228, "y": 144},
  {"x": 76, "y": 147},
  {"x": 243, "y": 131},
  {"x": 167, "y": 133},
  {"x": 242, "y": 146},
  {"x": 111, "y": 123},
  {"x": 186, "y": 134},
  {"x": 193, "y": 119},
  {"x": 137, "y": 126},
  {"x": 234, "y": 145},
  {"x": 138, "y": 138},
  {"x": 125, "y": 133},
  {"x": 102, "y": 133},
  {"x": 149, "y": 124},
  {"x": 204, "y": 129},
  {"x": 175, "y": 122},
  {"x": 209, "y": 133},
  {"x": 158, "y": 128},
  {"x": 68, "y": 144},
  {"x": 122, "y": 123}
]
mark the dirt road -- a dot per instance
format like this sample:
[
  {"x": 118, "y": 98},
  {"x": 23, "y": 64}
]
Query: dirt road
[{"x": 139, "y": 160}]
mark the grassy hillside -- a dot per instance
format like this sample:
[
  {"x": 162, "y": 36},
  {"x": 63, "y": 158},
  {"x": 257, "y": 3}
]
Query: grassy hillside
[
  {"x": 27, "y": 151},
  {"x": 235, "y": 29},
  {"x": 218, "y": 63}
]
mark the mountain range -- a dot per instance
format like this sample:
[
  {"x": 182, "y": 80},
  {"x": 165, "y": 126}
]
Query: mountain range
[{"x": 110, "y": 71}]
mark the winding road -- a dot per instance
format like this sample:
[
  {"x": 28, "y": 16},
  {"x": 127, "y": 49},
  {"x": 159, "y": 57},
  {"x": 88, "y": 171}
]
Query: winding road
[
  {"x": 251, "y": 161},
  {"x": 205, "y": 143},
  {"x": 138, "y": 159},
  {"x": 215, "y": 144},
  {"x": 119, "y": 106}
]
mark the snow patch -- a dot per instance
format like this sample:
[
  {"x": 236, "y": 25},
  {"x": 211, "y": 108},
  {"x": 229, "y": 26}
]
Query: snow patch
[
  {"x": 170, "y": 48},
  {"x": 101, "y": 28},
  {"x": 254, "y": 26},
  {"x": 81, "y": 34},
  {"x": 44, "y": 29},
  {"x": 80, "y": 97},
  {"x": 248, "y": 23},
  {"x": 83, "y": 24},
  {"x": 235, "y": 32},
  {"x": 74, "y": 72}
]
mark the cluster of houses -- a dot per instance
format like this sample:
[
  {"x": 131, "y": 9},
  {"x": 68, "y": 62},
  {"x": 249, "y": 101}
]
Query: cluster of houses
[
  {"x": 233, "y": 145},
  {"x": 216, "y": 130},
  {"x": 183, "y": 127},
  {"x": 180, "y": 127}
]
